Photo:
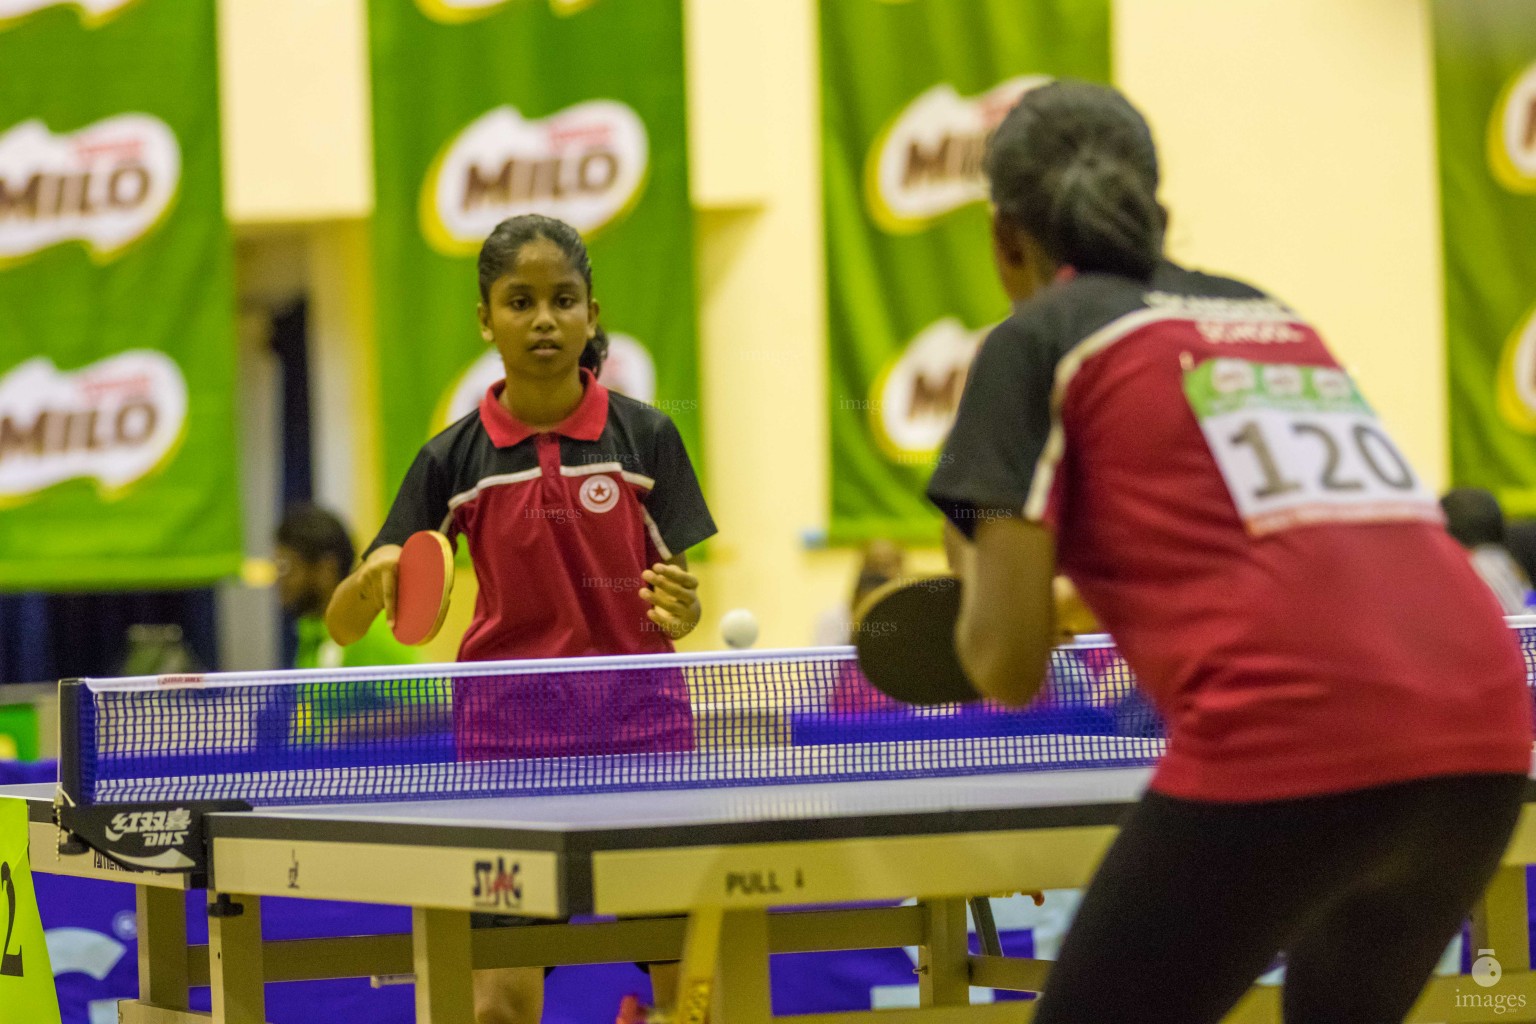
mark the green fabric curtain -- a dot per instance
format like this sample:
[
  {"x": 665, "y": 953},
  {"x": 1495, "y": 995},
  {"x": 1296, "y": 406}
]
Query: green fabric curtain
[
  {"x": 1485, "y": 69},
  {"x": 911, "y": 89},
  {"x": 117, "y": 331}
]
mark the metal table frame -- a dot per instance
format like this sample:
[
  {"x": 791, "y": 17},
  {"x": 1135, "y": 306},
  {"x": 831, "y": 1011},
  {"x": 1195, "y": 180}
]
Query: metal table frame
[{"x": 725, "y": 879}]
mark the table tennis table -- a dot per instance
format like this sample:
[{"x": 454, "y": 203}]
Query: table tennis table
[{"x": 742, "y": 870}]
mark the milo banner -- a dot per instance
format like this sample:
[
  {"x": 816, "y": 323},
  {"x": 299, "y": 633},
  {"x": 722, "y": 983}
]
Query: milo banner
[
  {"x": 117, "y": 334},
  {"x": 486, "y": 109},
  {"x": 911, "y": 89},
  {"x": 1485, "y": 67}
]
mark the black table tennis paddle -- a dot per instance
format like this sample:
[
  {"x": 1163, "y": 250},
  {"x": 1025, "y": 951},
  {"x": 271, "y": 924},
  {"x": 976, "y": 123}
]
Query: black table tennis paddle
[{"x": 904, "y": 633}]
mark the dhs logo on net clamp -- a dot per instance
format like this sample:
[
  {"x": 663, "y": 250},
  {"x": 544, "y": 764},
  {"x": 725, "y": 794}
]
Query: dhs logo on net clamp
[
  {"x": 498, "y": 884},
  {"x": 155, "y": 828}
]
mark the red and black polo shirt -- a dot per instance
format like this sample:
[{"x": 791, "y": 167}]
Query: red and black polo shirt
[
  {"x": 1230, "y": 509},
  {"x": 560, "y": 525}
]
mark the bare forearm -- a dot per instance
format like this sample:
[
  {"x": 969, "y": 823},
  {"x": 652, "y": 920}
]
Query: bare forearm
[
  {"x": 1006, "y": 628},
  {"x": 1005, "y": 662}
]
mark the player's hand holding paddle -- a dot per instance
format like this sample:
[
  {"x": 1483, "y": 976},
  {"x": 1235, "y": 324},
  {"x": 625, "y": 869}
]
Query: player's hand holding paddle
[
  {"x": 905, "y": 636},
  {"x": 361, "y": 596},
  {"x": 411, "y": 585},
  {"x": 422, "y": 589},
  {"x": 1073, "y": 617},
  {"x": 673, "y": 594}
]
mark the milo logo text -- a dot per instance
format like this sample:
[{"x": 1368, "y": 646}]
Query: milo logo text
[
  {"x": 928, "y": 162},
  {"x": 585, "y": 165},
  {"x": 105, "y": 185},
  {"x": 1512, "y": 134},
  {"x": 913, "y": 403},
  {"x": 114, "y": 421}
]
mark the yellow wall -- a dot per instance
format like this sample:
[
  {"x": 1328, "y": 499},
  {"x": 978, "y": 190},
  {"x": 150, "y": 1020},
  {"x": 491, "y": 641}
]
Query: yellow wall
[
  {"x": 1298, "y": 141},
  {"x": 1298, "y": 138},
  {"x": 298, "y": 129}
]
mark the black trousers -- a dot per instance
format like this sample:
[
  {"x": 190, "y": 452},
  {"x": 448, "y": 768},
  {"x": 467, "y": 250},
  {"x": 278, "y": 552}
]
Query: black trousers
[{"x": 1361, "y": 891}]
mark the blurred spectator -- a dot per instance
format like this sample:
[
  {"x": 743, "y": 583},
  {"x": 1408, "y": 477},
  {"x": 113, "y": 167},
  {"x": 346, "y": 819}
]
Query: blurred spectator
[
  {"x": 314, "y": 554},
  {"x": 157, "y": 650},
  {"x": 882, "y": 561},
  {"x": 1520, "y": 538},
  {"x": 1474, "y": 518}
]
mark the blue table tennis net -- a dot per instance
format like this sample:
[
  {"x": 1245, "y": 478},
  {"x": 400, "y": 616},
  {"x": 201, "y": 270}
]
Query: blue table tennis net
[{"x": 579, "y": 726}]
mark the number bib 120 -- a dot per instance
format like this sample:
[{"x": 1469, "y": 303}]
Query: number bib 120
[{"x": 1298, "y": 445}]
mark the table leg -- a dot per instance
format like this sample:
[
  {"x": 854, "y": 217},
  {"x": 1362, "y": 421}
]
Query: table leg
[
  {"x": 696, "y": 977},
  {"x": 986, "y": 926},
  {"x": 440, "y": 945},
  {"x": 742, "y": 993},
  {"x": 236, "y": 973},
  {"x": 943, "y": 967},
  {"x": 162, "y": 930}
]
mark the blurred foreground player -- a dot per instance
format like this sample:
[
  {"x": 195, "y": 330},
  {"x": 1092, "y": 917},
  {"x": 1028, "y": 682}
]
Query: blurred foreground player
[
  {"x": 1348, "y": 717},
  {"x": 578, "y": 505}
]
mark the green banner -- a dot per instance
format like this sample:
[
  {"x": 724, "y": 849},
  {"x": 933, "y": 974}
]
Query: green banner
[
  {"x": 486, "y": 109},
  {"x": 910, "y": 91},
  {"x": 1485, "y": 70},
  {"x": 117, "y": 328}
]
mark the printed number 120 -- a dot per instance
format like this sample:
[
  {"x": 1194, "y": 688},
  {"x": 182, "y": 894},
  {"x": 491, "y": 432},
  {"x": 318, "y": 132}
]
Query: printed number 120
[{"x": 1377, "y": 452}]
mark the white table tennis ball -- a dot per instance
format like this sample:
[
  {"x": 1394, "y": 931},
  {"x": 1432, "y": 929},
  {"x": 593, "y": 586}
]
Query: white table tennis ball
[{"x": 738, "y": 627}]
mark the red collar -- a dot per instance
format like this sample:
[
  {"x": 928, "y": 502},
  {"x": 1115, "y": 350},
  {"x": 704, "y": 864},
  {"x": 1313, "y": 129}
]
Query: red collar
[{"x": 585, "y": 423}]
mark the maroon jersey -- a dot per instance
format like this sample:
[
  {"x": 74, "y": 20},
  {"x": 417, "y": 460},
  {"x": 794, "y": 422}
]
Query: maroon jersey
[
  {"x": 1235, "y": 516},
  {"x": 560, "y": 526}
]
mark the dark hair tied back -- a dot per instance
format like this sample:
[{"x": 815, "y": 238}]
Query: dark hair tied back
[
  {"x": 498, "y": 256},
  {"x": 596, "y": 352},
  {"x": 1074, "y": 165}
]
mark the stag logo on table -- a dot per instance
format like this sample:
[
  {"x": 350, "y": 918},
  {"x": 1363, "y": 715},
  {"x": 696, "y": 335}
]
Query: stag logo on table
[
  {"x": 629, "y": 369},
  {"x": 927, "y": 163},
  {"x": 1512, "y": 134},
  {"x": 585, "y": 165},
  {"x": 1516, "y": 399},
  {"x": 93, "y": 13},
  {"x": 106, "y": 185},
  {"x": 114, "y": 421},
  {"x": 456, "y": 12},
  {"x": 913, "y": 402}
]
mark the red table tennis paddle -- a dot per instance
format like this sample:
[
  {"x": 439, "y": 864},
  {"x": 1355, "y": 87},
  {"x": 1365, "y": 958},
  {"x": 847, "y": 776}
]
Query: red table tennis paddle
[
  {"x": 904, "y": 633},
  {"x": 423, "y": 588}
]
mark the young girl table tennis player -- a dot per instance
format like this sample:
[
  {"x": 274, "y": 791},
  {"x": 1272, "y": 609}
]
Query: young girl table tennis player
[{"x": 577, "y": 504}]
